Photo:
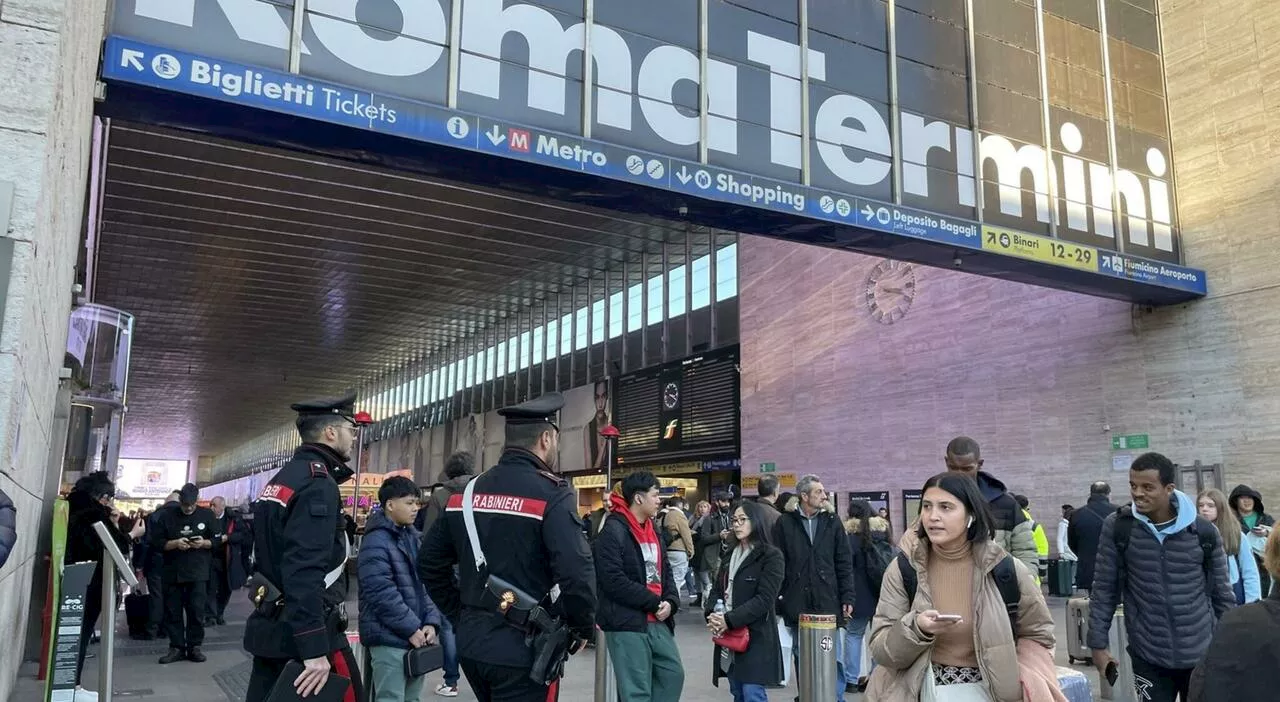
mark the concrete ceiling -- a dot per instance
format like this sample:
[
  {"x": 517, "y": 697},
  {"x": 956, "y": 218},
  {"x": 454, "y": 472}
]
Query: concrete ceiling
[{"x": 260, "y": 276}]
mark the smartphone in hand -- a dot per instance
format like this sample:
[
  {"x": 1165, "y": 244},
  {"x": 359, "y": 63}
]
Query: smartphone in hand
[
  {"x": 948, "y": 617},
  {"x": 1113, "y": 673}
]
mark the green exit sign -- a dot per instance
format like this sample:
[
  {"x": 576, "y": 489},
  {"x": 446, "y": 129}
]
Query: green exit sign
[
  {"x": 768, "y": 467},
  {"x": 1130, "y": 441}
]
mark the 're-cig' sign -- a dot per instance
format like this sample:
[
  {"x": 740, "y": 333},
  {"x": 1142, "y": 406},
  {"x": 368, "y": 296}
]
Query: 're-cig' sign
[{"x": 852, "y": 138}]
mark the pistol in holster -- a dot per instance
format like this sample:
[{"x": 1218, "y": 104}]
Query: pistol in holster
[
  {"x": 267, "y": 599},
  {"x": 547, "y": 635}
]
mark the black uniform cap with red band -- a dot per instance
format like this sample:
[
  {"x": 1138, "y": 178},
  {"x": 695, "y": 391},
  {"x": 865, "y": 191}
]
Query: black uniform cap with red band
[
  {"x": 543, "y": 409},
  {"x": 344, "y": 407}
]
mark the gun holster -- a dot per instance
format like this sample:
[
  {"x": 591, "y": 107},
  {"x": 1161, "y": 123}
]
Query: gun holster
[
  {"x": 267, "y": 599},
  {"x": 547, "y": 636},
  {"x": 514, "y": 604}
]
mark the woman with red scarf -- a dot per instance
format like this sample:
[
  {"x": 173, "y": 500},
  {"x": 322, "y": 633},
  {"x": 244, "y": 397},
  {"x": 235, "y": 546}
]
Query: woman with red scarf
[{"x": 638, "y": 596}]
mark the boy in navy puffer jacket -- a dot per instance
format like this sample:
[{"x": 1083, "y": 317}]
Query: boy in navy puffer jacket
[{"x": 395, "y": 611}]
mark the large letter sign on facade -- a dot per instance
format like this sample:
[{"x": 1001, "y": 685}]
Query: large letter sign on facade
[{"x": 522, "y": 63}]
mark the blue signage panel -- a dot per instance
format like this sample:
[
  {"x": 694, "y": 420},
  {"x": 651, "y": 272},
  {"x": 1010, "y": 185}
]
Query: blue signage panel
[{"x": 157, "y": 67}]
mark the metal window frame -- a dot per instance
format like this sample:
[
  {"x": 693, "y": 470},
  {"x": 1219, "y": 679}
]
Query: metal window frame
[
  {"x": 971, "y": 64},
  {"x": 1104, "y": 35}
]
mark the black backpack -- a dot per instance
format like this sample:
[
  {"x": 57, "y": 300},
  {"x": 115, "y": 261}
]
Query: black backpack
[
  {"x": 666, "y": 537},
  {"x": 1005, "y": 574},
  {"x": 878, "y": 555},
  {"x": 1203, "y": 529}
]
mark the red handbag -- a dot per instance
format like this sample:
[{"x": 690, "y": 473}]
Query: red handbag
[{"x": 736, "y": 640}]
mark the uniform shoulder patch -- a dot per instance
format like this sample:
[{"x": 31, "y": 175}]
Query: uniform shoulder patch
[
  {"x": 558, "y": 480},
  {"x": 318, "y": 469}
]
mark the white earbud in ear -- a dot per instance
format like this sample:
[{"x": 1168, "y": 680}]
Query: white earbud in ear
[{"x": 970, "y": 522}]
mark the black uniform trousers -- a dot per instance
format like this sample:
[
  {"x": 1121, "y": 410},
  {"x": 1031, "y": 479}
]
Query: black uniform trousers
[
  {"x": 267, "y": 670},
  {"x": 502, "y": 683},
  {"x": 219, "y": 592},
  {"x": 188, "y": 599},
  {"x": 155, "y": 602},
  {"x": 92, "y": 610}
]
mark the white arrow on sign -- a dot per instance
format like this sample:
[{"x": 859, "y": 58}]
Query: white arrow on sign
[
  {"x": 132, "y": 58},
  {"x": 684, "y": 176},
  {"x": 496, "y": 136},
  {"x": 869, "y": 213}
]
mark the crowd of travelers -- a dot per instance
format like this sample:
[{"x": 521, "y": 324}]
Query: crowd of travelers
[{"x": 953, "y": 610}]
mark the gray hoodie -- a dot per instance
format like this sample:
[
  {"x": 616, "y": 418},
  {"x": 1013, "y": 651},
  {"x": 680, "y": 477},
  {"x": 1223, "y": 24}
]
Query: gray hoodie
[{"x": 440, "y": 500}]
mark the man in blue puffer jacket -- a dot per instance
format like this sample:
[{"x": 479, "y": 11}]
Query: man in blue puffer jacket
[
  {"x": 395, "y": 611},
  {"x": 1167, "y": 567}
]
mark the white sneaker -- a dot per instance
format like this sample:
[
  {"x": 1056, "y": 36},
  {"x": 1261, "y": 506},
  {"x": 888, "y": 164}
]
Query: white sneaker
[
  {"x": 447, "y": 690},
  {"x": 83, "y": 695}
]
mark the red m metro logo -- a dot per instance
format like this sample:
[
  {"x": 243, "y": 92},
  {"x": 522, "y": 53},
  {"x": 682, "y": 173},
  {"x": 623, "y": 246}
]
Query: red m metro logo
[{"x": 519, "y": 140}]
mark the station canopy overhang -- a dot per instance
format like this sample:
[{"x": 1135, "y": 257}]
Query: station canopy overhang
[
  {"x": 261, "y": 275},
  {"x": 283, "y": 233}
]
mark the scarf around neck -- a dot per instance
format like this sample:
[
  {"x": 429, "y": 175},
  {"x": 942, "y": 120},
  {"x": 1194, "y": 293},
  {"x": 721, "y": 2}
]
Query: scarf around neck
[{"x": 650, "y": 546}]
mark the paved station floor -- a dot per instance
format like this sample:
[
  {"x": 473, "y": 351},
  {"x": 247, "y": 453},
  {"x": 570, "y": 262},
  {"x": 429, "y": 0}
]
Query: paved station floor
[{"x": 224, "y": 676}]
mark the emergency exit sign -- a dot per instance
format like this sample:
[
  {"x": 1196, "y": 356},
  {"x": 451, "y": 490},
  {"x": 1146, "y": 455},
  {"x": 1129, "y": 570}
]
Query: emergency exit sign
[
  {"x": 1130, "y": 441},
  {"x": 768, "y": 467}
]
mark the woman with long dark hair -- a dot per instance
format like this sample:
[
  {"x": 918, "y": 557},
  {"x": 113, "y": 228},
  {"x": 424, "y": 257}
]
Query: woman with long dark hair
[
  {"x": 748, "y": 586},
  {"x": 869, "y": 544},
  {"x": 954, "y": 640}
]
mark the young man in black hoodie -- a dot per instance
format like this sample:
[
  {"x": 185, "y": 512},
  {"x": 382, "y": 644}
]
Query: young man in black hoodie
[{"x": 1013, "y": 530}]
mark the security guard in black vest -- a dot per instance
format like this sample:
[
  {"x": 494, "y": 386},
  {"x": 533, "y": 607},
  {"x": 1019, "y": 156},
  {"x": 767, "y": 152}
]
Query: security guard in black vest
[
  {"x": 512, "y": 633},
  {"x": 300, "y": 584}
]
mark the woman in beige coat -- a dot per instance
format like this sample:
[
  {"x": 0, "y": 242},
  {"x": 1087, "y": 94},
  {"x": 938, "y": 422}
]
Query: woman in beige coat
[{"x": 953, "y": 643}]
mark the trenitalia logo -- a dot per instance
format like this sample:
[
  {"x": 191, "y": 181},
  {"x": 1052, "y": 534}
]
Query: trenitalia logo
[
  {"x": 851, "y": 137},
  {"x": 672, "y": 427}
]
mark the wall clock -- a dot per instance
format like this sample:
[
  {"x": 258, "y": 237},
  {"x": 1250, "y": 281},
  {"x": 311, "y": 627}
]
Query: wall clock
[
  {"x": 671, "y": 396},
  {"x": 890, "y": 290}
]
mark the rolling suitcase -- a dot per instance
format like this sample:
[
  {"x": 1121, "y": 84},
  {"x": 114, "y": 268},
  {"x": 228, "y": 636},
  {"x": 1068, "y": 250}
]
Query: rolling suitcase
[
  {"x": 1074, "y": 685},
  {"x": 1078, "y": 631},
  {"x": 1124, "y": 689},
  {"x": 136, "y": 614}
]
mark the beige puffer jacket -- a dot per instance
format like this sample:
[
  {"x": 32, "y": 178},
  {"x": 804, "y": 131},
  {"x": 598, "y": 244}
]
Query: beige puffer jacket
[{"x": 903, "y": 651}]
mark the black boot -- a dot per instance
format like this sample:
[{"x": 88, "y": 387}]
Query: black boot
[
  {"x": 174, "y": 655},
  {"x": 195, "y": 655}
]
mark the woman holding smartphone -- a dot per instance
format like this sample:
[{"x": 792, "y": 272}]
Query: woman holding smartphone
[{"x": 954, "y": 642}]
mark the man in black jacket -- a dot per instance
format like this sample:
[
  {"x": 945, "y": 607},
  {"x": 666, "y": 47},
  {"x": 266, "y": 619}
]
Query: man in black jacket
[
  {"x": 153, "y": 570},
  {"x": 1085, "y": 528},
  {"x": 819, "y": 576},
  {"x": 187, "y": 538},
  {"x": 89, "y": 502},
  {"x": 638, "y": 595}
]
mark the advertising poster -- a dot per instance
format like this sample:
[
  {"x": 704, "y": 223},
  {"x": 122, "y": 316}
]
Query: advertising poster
[
  {"x": 911, "y": 506},
  {"x": 586, "y": 412},
  {"x": 468, "y": 435},
  {"x": 879, "y": 502},
  {"x": 149, "y": 479},
  {"x": 495, "y": 437},
  {"x": 66, "y": 630},
  {"x": 56, "y": 558}
]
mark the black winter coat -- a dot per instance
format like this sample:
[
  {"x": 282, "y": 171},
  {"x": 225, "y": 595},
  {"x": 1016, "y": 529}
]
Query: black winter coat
[
  {"x": 1243, "y": 657},
  {"x": 8, "y": 527},
  {"x": 755, "y": 592},
  {"x": 819, "y": 575},
  {"x": 1083, "y": 531},
  {"x": 625, "y": 601}
]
